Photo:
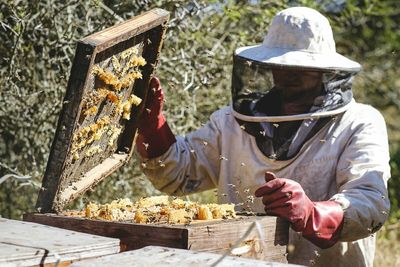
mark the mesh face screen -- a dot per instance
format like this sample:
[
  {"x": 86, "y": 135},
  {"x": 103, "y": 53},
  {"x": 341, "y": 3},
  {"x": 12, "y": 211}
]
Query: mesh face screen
[{"x": 253, "y": 84}]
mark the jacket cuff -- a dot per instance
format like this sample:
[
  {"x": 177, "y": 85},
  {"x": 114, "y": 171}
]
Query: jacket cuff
[
  {"x": 325, "y": 224},
  {"x": 153, "y": 142}
]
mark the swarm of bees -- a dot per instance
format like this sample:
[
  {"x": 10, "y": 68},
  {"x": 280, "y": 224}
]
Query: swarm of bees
[
  {"x": 110, "y": 79},
  {"x": 157, "y": 209}
]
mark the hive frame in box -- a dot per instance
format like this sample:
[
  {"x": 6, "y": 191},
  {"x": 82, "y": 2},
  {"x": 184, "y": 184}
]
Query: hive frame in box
[{"x": 73, "y": 167}]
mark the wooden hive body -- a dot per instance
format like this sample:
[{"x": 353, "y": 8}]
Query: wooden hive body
[{"x": 217, "y": 236}]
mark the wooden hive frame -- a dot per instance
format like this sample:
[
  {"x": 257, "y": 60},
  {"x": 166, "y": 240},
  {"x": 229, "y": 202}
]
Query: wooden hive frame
[{"x": 71, "y": 167}]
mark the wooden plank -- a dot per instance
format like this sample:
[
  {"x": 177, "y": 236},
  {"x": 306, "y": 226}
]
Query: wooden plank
[
  {"x": 160, "y": 256},
  {"x": 92, "y": 177},
  {"x": 266, "y": 240},
  {"x": 13, "y": 253},
  {"x": 123, "y": 31},
  {"x": 25, "y": 244},
  {"x": 213, "y": 236},
  {"x": 107, "y": 50},
  {"x": 132, "y": 235}
]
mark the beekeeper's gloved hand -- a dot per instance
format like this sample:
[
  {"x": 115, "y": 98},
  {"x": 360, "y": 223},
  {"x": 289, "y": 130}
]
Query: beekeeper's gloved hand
[
  {"x": 154, "y": 135},
  {"x": 319, "y": 222}
]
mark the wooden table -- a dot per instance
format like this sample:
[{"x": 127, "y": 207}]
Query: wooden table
[
  {"x": 160, "y": 256},
  {"x": 28, "y": 244}
]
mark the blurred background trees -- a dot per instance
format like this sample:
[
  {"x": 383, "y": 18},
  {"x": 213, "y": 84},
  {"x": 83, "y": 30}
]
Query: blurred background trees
[{"x": 38, "y": 43}]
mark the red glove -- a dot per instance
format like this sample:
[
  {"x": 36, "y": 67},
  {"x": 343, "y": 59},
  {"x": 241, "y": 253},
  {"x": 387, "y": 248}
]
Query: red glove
[
  {"x": 154, "y": 135},
  {"x": 320, "y": 222}
]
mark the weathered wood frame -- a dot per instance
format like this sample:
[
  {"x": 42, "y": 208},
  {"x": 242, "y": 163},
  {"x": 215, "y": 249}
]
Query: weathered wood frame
[
  {"x": 151, "y": 26},
  {"x": 211, "y": 236}
]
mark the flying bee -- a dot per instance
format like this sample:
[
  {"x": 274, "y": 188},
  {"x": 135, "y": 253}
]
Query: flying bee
[
  {"x": 222, "y": 157},
  {"x": 250, "y": 199},
  {"x": 146, "y": 145}
]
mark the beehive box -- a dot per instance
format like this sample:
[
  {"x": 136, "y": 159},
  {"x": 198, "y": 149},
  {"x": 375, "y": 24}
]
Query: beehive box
[
  {"x": 257, "y": 237},
  {"x": 95, "y": 136}
]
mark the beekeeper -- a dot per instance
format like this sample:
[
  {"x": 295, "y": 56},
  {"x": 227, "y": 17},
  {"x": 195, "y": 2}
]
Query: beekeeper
[{"x": 293, "y": 137}]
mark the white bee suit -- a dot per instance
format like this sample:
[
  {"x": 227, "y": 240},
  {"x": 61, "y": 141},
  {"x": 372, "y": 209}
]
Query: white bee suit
[{"x": 346, "y": 161}]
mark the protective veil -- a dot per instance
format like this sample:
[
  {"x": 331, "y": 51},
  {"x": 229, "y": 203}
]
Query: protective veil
[{"x": 256, "y": 103}]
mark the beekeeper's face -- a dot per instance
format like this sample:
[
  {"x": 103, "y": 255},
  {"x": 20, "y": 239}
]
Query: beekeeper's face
[{"x": 297, "y": 84}]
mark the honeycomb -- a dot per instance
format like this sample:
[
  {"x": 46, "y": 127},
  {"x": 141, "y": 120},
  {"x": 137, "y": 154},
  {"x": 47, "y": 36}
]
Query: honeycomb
[
  {"x": 111, "y": 80},
  {"x": 156, "y": 209}
]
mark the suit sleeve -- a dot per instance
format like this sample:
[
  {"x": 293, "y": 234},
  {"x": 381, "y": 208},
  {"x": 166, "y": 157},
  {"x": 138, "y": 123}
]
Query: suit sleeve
[
  {"x": 362, "y": 174},
  {"x": 190, "y": 165}
]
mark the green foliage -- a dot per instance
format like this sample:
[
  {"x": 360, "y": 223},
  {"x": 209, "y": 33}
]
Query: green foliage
[
  {"x": 388, "y": 245},
  {"x": 394, "y": 185},
  {"x": 38, "y": 42}
]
